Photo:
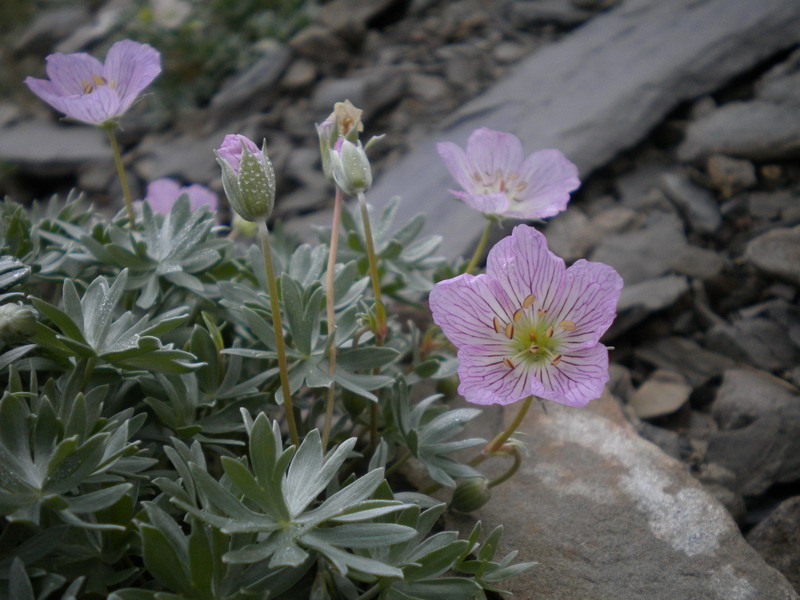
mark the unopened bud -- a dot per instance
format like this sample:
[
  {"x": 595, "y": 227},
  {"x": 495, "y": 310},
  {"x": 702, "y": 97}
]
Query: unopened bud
[
  {"x": 17, "y": 322},
  {"x": 350, "y": 168},
  {"x": 247, "y": 177},
  {"x": 470, "y": 494}
]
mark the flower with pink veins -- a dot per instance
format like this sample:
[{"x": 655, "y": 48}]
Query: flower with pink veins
[
  {"x": 82, "y": 87},
  {"x": 162, "y": 194},
  {"x": 497, "y": 179},
  {"x": 529, "y": 326}
]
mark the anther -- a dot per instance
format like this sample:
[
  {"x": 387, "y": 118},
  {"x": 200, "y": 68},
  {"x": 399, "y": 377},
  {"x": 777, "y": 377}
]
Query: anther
[
  {"x": 502, "y": 185},
  {"x": 522, "y": 186},
  {"x": 567, "y": 325},
  {"x": 528, "y": 302},
  {"x": 98, "y": 80},
  {"x": 541, "y": 312},
  {"x": 507, "y": 362},
  {"x": 87, "y": 87},
  {"x": 517, "y": 315},
  {"x": 550, "y": 332},
  {"x": 498, "y": 326},
  {"x": 509, "y": 331},
  {"x": 533, "y": 349},
  {"x": 556, "y": 360}
]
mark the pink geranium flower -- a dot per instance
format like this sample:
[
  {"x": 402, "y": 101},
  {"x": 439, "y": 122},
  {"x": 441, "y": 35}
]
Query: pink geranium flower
[
  {"x": 497, "y": 179},
  {"x": 162, "y": 194},
  {"x": 83, "y": 88},
  {"x": 529, "y": 326}
]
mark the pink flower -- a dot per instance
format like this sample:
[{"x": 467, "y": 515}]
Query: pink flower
[
  {"x": 231, "y": 149},
  {"x": 162, "y": 194},
  {"x": 497, "y": 180},
  {"x": 84, "y": 89},
  {"x": 529, "y": 326}
]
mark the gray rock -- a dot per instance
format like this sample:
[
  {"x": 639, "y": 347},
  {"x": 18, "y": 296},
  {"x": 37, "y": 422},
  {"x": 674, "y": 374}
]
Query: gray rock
[
  {"x": 646, "y": 253},
  {"x": 696, "y": 204},
  {"x": 769, "y": 205},
  {"x": 695, "y": 261},
  {"x": 686, "y": 357},
  {"x": 777, "y": 252},
  {"x": 301, "y": 73},
  {"x": 373, "y": 91},
  {"x": 758, "y": 130},
  {"x": 249, "y": 89},
  {"x": 759, "y": 417},
  {"x": 758, "y": 341},
  {"x": 8, "y": 113},
  {"x": 428, "y": 88},
  {"x": 777, "y": 539},
  {"x": 570, "y": 234},
  {"x": 598, "y": 90},
  {"x": 37, "y": 144},
  {"x": 341, "y": 15},
  {"x": 320, "y": 44},
  {"x": 781, "y": 84},
  {"x": 653, "y": 294},
  {"x": 558, "y": 12},
  {"x": 105, "y": 20},
  {"x": 50, "y": 27},
  {"x": 608, "y": 515},
  {"x": 730, "y": 175},
  {"x": 189, "y": 157}
]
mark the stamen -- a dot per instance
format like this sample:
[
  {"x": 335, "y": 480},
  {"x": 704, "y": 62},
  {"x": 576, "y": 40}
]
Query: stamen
[
  {"x": 502, "y": 185},
  {"x": 550, "y": 332},
  {"x": 507, "y": 362},
  {"x": 528, "y": 302},
  {"x": 532, "y": 336},
  {"x": 98, "y": 80},
  {"x": 556, "y": 360},
  {"x": 517, "y": 314},
  {"x": 87, "y": 87},
  {"x": 567, "y": 325},
  {"x": 533, "y": 349},
  {"x": 498, "y": 326},
  {"x": 509, "y": 331},
  {"x": 541, "y": 312},
  {"x": 522, "y": 186}
]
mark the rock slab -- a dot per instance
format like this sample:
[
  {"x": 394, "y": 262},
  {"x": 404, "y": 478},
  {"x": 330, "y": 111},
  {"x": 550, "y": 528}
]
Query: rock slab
[
  {"x": 597, "y": 91},
  {"x": 609, "y": 516}
]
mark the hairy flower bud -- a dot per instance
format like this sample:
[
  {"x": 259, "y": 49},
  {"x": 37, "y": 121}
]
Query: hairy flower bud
[
  {"x": 17, "y": 322},
  {"x": 350, "y": 167},
  {"x": 470, "y": 494},
  {"x": 247, "y": 177}
]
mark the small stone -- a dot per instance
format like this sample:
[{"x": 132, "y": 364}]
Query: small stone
[
  {"x": 758, "y": 341},
  {"x": 300, "y": 74},
  {"x": 44, "y": 144},
  {"x": 558, "y": 12},
  {"x": 8, "y": 113},
  {"x": 695, "y": 261},
  {"x": 730, "y": 175},
  {"x": 614, "y": 220},
  {"x": 509, "y": 52},
  {"x": 653, "y": 294},
  {"x": 695, "y": 203},
  {"x": 570, "y": 234},
  {"x": 428, "y": 88},
  {"x": 682, "y": 355},
  {"x": 320, "y": 44},
  {"x": 777, "y": 539},
  {"x": 662, "y": 393},
  {"x": 777, "y": 252},
  {"x": 373, "y": 91},
  {"x": 106, "y": 19},
  {"x": 49, "y": 28},
  {"x": 769, "y": 205}
]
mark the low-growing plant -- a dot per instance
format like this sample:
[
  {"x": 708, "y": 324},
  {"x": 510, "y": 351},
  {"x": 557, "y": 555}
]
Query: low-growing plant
[{"x": 190, "y": 417}]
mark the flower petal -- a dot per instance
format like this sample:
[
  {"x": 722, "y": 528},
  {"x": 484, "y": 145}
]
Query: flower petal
[
  {"x": 550, "y": 177},
  {"x": 95, "y": 108},
  {"x": 489, "y": 151},
  {"x": 588, "y": 301},
  {"x": 487, "y": 379},
  {"x": 577, "y": 379},
  {"x": 200, "y": 195},
  {"x": 456, "y": 162},
  {"x": 231, "y": 149},
  {"x": 524, "y": 266},
  {"x": 71, "y": 73},
  {"x": 162, "y": 193},
  {"x": 487, "y": 203},
  {"x": 465, "y": 308},
  {"x": 129, "y": 68}
]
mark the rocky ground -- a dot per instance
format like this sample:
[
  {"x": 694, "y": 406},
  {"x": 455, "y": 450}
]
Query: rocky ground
[{"x": 685, "y": 123}]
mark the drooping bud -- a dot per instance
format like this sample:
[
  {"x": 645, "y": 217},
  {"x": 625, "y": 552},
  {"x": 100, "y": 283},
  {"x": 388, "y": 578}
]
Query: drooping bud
[
  {"x": 17, "y": 322},
  {"x": 470, "y": 494},
  {"x": 350, "y": 167},
  {"x": 343, "y": 122},
  {"x": 247, "y": 177}
]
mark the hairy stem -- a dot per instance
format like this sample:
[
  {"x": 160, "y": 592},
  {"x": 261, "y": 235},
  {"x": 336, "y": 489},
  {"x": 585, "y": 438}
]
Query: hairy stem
[
  {"x": 479, "y": 249},
  {"x": 514, "y": 453},
  {"x": 283, "y": 369},
  {"x": 123, "y": 178},
  {"x": 329, "y": 303},
  {"x": 501, "y": 438}
]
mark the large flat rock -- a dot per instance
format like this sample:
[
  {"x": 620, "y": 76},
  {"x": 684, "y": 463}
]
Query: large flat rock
[
  {"x": 609, "y": 516},
  {"x": 597, "y": 91}
]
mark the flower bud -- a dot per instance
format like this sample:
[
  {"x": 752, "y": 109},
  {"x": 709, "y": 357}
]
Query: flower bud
[
  {"x": 247, "y": 177},
  {"x": 470, "y": 494},
  {"x": 350, "y": 167},
  {"x": 17, "y": 322},
  {"x": 242, "y": 228}
]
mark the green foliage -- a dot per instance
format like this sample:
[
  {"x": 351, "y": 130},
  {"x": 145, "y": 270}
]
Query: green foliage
[{"x": 142, "y": 451}]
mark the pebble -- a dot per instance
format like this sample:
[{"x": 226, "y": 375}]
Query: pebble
[
  {"x": 777, "y": 252},
  {"x": 730, "y": 175},
  {"x": 662, "y": 393}
]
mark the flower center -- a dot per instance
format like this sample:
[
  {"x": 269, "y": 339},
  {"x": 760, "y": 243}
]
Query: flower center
[
  {"x": 499, "y": 182},
  {"x": 96, "y": 82},
  {"x": 533, "y": 335}
]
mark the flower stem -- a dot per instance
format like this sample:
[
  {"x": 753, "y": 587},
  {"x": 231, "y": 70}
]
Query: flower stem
[
  {"x": 263, "y": 233},
  {"x": 513, "y": 452},
  {"x": 329, "y": 307},
  {"x": 501, "y": 438},
  {"x": 398, "y": 463},
  {"x": 123, "y": 178},
  {"x": 480, "y": 248},
  {"x": 380, "y": 312}
]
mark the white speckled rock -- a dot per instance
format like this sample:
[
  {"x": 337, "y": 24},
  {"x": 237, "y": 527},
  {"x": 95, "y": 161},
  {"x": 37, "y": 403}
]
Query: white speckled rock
[{"x": 609, "y": 516}]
